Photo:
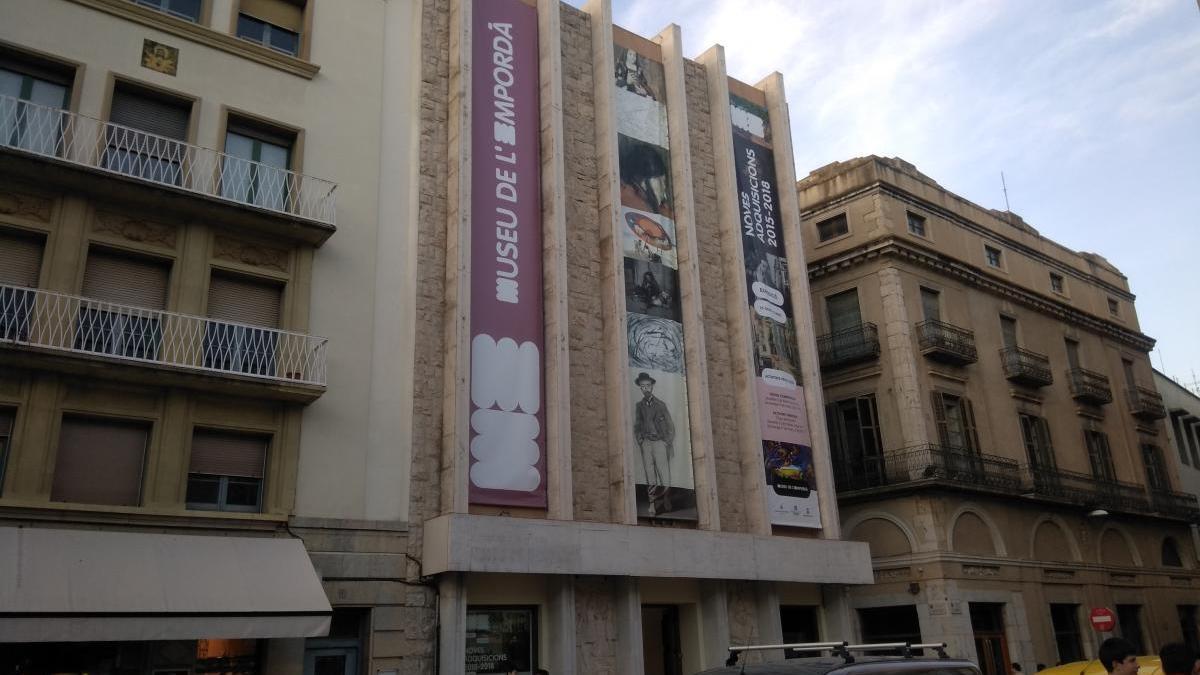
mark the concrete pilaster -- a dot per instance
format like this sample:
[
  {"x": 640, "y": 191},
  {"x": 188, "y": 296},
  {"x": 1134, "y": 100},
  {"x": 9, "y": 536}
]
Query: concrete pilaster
[
  {"x": 452, "y": 629},
  {"x": 836, "y": 620},
  {"x": 898, "y": 340},
  {"x": 770, "y": 628},
  {"x": 714, "y": 623},
  {"x": 560, "y": 622},
  {"x": 628, "y": 603}
]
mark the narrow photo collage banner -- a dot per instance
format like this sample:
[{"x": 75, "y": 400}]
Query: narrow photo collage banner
[
  {"x": 662, "y": 455},
  {"x": 783, "y": 418},
  {"x": 507, "y": 454}
]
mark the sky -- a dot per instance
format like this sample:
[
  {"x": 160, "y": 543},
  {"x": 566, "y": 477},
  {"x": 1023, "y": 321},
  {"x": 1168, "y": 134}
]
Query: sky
[{"x": 1090, "y": 108}]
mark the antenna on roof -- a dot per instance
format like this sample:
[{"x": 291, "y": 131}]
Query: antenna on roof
[{"x": 1004, "y": 186}]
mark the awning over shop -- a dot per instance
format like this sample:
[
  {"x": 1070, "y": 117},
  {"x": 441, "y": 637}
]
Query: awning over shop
[{"x": 59, "y": 585}]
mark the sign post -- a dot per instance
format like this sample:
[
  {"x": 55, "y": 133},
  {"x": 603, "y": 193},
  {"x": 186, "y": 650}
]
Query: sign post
[{"x": 1102, "y": 619}]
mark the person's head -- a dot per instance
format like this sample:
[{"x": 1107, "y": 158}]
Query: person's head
[
  {"x": 1117, "y": 656},
  {"x": 541, "y": 671},
  {"x": 646, "y": 384},
  {"x": 1178, "y": 659}
]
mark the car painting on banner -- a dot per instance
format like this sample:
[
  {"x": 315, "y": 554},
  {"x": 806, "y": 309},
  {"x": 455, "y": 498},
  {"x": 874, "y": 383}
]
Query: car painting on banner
[
  {"x": 783, "y": 418},
  {"x": 508, "y": 463},
  {"x": 662, "y": 454}
]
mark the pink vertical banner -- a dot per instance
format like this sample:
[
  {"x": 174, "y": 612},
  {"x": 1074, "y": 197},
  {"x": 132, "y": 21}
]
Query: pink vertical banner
[{"x": 508, "y": 458}]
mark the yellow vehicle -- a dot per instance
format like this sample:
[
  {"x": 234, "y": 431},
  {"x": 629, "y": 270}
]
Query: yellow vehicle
[{"x": 1147, "y": 665}]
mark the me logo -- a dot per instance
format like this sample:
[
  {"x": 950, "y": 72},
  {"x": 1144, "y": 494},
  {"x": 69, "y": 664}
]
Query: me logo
[{"x": 506, "y": 389}]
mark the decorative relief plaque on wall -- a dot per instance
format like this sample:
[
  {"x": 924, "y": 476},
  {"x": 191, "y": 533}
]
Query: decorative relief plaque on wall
[{"x": 159, "y": 57}]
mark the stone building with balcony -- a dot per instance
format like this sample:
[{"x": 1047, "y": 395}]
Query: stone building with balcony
[
  {"x": 995, "y": 427},
  {"x": 203, "y": 253}
]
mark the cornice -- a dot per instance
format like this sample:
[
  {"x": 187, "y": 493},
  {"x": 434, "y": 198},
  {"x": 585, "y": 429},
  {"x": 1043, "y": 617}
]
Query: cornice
[
  {"x": 968, "y": 224},
  {"x": 895, "y": 248},
  {"x": 203, "y": 35}
]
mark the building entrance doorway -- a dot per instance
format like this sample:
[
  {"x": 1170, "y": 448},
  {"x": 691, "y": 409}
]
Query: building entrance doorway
[
  {"x": 662, "y": 653},
  {"x": 991, "y": 646}
]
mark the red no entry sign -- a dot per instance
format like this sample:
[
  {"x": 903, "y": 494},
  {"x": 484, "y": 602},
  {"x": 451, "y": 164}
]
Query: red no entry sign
[{"x": 1102, "y": 619}]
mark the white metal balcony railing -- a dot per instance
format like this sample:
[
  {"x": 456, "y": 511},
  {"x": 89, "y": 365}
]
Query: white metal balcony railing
[
  {"x": 68, "y": 323},
  {"x": 84, "y": 141}
]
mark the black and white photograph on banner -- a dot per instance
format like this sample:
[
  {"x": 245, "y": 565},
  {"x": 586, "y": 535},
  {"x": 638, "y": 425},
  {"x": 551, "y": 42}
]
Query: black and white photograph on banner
[
  {"x": 639, "y": 75},
  {"x": 648, "y": 236},
  {"x": 662, "y": 461},
  {"x": 655, "y": 343},
  {"x": 651, "y": 289},
  {"x": 645, "y": 176}
]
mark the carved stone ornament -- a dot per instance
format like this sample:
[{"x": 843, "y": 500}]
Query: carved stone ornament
[
  {"x": 981, "y": 570},
  {"x": 25, "y": 205},
  {"x": 136, "y": 229},
  {"x": 893, "y": 573},
  {"x": 227, "y": 248}
]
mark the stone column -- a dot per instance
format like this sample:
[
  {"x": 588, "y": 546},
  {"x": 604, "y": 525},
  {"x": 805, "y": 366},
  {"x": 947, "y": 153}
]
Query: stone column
[
  {"x": 770, "y": 628},
  {"x": 835, "y": 606},
  {"x": 630, "y": 660},
  {"x": 714, "y": 624},
  {"x": 560, "y": 621},
  {"x": 898, "y": 341},
  {"x": 452, "y": 616}
]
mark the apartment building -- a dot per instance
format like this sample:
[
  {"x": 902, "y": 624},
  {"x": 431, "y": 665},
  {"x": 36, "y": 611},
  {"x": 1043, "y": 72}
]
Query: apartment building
[
  {"x": 993, "y": 419},
  {"x": 202, "y": 274},
  {"x": 1183, "y": 413}
]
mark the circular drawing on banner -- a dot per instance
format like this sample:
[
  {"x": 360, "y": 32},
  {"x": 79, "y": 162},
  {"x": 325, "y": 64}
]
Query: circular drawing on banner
[
  {"x": 649, "y": 231},
  {"x": 655, "y": 343}
]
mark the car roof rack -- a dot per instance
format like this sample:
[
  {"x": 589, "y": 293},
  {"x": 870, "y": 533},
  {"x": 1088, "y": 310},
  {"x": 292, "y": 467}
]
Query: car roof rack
[{"x": 841, "y": 649}]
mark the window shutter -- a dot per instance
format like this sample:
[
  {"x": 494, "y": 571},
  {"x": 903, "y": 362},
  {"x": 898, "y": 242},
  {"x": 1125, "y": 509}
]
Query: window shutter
[
  {"x": 125, "y": 280},
  {"x": 244, "y": 300},
  {"x": 152, "y": 115},
  {"x": 939, "y": 418},
  {"x": 99, "y": 462},
  {"x": 969, "y": 421},
  {"x": 281, "y": 13},
  {"x": 228, "y": 454},
  {"x": 20, "y": 259},
  {"x": 1047, "y": 449},
  {"x": 869, "y": 419},
  {"x": 836, "y": 440}
]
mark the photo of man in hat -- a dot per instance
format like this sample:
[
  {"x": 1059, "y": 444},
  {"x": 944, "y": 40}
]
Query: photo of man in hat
[{"x": 654, "y": 432}]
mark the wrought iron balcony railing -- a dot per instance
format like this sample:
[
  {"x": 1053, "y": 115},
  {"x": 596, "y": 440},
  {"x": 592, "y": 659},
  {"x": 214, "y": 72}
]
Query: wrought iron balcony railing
[
  {"x": 1085, "y": 489},
  {"x": 1088, "y": 386},
  {"x": 1176, "y": 504},
  {"x": 852, "y": 345},
  {"x": 933, "y": 463},
  {"x": 946, "y": 342},
  {"x": 78, "y": 140},
  {"x": 1025, "y": 367},
  {"x": 71, "y": 324},
  {"x": 1146, "y": 403}
]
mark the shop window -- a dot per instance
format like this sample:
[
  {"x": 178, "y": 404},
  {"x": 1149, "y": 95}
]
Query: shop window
[
  {"x": 247, "y": 344},
  {"x": 188, "y": 10},
  {"x": 341, "y": 652},
  {"x": 147, "y": 135},
  {"x": 890, "y": 624},
  {"x": 832, "y": 227},
  {"x": 226, "y": 471},
  {"x": 255, "y": 169},
  {"x": 20, "y": 267},
  {"x": 276, "y": 24},
  {"x": 100, "y": 461},
  {"x": 500, "y": 638}
]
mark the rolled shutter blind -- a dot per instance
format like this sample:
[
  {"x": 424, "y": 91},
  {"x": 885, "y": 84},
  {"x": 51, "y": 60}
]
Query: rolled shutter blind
[
  {"x": 244, "y": 300},
  {"x": 228, "y": 454},
  {"x": 150, "y": 114},
  {"x": 125, "y": 281},
  {"x": 281, "y": 13},
  {"x": 99, "y": 462},
  {"x": 20, "y": 259}
]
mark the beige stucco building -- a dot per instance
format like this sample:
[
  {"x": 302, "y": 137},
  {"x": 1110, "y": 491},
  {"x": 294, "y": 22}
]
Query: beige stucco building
[
  {"x": 993, "y": 417},
  {"x": 1183, "y": 415},
  {"x": 241, "y": 407}
]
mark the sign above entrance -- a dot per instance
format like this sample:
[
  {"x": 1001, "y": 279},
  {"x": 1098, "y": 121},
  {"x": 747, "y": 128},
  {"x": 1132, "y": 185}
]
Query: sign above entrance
[{"x": 1102, "y": 619}]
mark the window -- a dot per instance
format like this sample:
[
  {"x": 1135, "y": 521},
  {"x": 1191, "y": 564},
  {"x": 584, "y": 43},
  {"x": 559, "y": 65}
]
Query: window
[
  {"x": 20, "y": 267},
  {"x": 189, "y": 10},
  {"x": 226, "y": 471},
  {"x": 272, "y": 23},
  {"x": 1114, "y": 307},
  {"x": 100, "y": 461},
  {"x": 1156, "y": 470},
  {"x": 1099, "y": 455},
  {"x": 843, "y": 311},
  {"x": 1129, "y": 623},
  {"x": 1035, "y": 433},
  {"x": 256, "y": 169},
  {"x": 120, "y": 315},
  {"x": 32, "y": 96},
  {"x": 916, "y": 224},
  {"x": 340, "y": 651},
  {"x": 1181, "y": 440},
  {"x": 241, "y": 347},
  {"x": 1187, "y": 626},
  {"x": 149, "y": 143},
  {"x": 799, "y": 623},
  {"x": 1170, "y": 553},
  {"x": 1065, "y": 619},
  {"x": 955, "y": 419},
  {"x": 1127, "y": 369},
  {"x": 993, "y": 255},
  {"x": 890, "y": 624},
  {"x": 504, "y": 633},
  {"x": 6, "y": 430},
  {"x": 1193, "y": 428},
  {"x": 1072, "y": 353},
  {"x": 856, "y": 442},
  {"x": 832, "y": 227},
  {"x": 1008, "y": 331},
  {"x": 931, "y": 304},
  {"x": 1056, "y": 283}
]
